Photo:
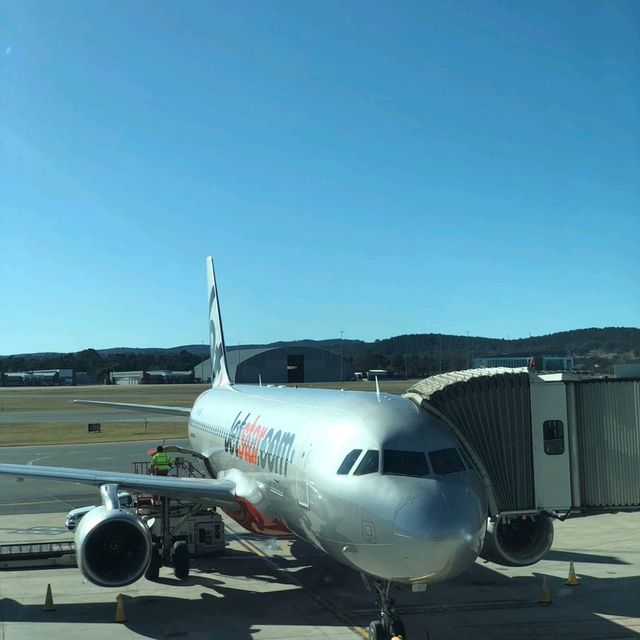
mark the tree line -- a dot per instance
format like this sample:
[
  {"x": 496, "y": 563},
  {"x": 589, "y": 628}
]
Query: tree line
[
  {"x": 422, "y": 355},
  {"x": 413, "y": 355}
]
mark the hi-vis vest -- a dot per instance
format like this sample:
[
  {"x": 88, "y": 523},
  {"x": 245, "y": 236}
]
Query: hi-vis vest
[{"x": 161, "y": 461}]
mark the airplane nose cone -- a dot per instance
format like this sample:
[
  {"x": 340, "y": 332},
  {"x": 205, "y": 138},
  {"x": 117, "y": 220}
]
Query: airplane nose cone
[{"x": 439, "y": 533}]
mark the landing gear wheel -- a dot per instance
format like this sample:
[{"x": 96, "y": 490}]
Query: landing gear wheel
[
  {"x": 153, "y": 570},
  {"x": 389, "y": 624},
  {"x": 180, "y": 557},
  {"x": 376, "y": 630}
]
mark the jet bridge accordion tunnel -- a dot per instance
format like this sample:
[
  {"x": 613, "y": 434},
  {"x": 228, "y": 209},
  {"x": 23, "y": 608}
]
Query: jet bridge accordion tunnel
[{"x": 554, "y": 443}]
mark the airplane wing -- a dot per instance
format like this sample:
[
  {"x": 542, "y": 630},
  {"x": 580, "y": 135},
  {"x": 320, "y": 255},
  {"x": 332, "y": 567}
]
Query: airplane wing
[
  {"x": 216, "y": 492},
  {"x": 220, "y": 493},
  {"x": 148, "y": 408}
]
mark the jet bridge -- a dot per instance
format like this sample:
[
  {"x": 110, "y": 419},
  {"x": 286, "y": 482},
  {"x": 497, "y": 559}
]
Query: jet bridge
[{"x": 543, "y": 442}]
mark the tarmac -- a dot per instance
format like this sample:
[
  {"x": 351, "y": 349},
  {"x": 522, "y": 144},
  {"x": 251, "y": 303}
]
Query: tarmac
[{"x": 267, "y": 588}]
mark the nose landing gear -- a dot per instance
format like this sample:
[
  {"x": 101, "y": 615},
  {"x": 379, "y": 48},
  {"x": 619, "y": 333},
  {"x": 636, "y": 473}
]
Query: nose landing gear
[{"x": 389, "y": 624}]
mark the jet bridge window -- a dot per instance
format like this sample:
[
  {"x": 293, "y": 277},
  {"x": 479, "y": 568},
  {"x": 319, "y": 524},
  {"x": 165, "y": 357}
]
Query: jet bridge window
[
  {"x": 348, "y": 462},
  {"x": 553, "y": 433},
  {"x": 405, "y": 463},
  {"x": 446, "y": 461},
  {"x": 370, "y": 463}
]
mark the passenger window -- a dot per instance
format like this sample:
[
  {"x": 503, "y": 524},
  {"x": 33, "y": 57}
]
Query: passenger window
[
  {"x": 369, "y": 463},
  {"x": 553, "y": 432},
  {"x": 405, "y": 463},
  {"x": 446, "y": 461},
  {"x": 348, "y": 462}
]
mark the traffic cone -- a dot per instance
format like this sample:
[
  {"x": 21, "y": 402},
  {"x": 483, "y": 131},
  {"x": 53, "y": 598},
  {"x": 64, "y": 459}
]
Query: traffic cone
[
  {"x": 48, "y": 600},
  {"x": 544, "y": 598},
  {"x": 120, "y": 614},
  {"x": 572, "y": 580}
]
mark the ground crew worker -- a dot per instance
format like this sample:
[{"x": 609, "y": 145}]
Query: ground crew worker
[{"x": 160, "y": 462}]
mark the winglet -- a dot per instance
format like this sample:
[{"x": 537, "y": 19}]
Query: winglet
[{"x": 219, "y": 373}]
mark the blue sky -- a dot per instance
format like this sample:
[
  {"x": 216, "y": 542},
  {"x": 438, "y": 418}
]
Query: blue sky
[{"x": 376, "y": 168}]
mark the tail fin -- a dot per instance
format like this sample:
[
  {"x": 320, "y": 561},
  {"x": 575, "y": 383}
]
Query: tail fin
[{"x": 219, "y": 373}]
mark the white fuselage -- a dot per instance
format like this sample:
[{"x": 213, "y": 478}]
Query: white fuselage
[{"x": 284, "y": 447}]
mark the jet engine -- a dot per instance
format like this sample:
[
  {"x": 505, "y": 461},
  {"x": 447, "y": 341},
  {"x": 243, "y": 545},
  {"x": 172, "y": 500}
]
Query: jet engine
[
  {"x": 518, "y": 541},
  {"x": 113, "y": 547}
]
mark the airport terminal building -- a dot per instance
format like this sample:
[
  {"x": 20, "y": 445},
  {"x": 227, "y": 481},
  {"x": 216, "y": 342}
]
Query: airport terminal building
[
  {"x": 280, "y": 365},
  {"x": 535, "y": 362}
]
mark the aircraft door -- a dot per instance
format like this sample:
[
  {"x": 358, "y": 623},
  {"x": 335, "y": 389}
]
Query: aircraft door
[{"x": 302, "y": 480}]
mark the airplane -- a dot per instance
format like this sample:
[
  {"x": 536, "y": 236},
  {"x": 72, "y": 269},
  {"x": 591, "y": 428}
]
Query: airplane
[{"x": 371, "y": 479}]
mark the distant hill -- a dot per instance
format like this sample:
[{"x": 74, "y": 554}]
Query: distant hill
[
  {"x": 414, "y": 355},
  {"x": 577, "y": 342},
  {"x": 196, "y": 349},
  {"x": 426, "y": 354},
  {"x": 330, "y": 343}
]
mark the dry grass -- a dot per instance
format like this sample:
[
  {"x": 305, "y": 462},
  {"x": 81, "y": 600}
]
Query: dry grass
[
  {"x": 41, "y": 433},
  {"x": 14, "y": 400},
  {"x": 60, "y": 398},
  {"x": 48, "y": 400}
]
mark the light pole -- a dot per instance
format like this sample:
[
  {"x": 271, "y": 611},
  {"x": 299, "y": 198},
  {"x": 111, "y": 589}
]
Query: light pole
[
  {"x": 467, "y": 349},
  {"x": 341, "y": 354}
]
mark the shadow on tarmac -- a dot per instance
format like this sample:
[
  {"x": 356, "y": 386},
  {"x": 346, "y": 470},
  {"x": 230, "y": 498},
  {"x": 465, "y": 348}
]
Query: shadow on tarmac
[
  {"x": 483, "y": 604},
  {"x": 589, "y": 558},
  {"x": 219, "y": 610},
  {"x": 158, "y": 617},
  {"x": 487, "y": 604}
]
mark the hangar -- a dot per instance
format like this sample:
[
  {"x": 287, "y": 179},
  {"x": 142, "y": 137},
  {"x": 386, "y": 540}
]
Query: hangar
[
  {"x": 280, "y": 365},
  {"x": 44, "y": 377},
  {"x": 150, "y": 377}
]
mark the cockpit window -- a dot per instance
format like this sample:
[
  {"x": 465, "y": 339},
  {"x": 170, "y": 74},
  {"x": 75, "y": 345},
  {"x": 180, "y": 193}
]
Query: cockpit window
[
  {"x": 348, "y": 462},
  {"x": 446, "y": 461},
  {"x": 405, "y": 463},
  {"x": 369, "y": 463}
]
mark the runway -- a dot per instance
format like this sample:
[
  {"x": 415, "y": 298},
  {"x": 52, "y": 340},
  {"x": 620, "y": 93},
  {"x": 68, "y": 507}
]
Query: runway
[{"x": 266, "y": 589}]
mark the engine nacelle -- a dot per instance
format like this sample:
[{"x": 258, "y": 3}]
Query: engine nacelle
[
  {"x": 518, "y": 541},
  {"x": 113, "y": 547}
]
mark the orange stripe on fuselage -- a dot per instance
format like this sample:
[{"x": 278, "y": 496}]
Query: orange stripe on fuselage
[{"x": 252, "y": 520}]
